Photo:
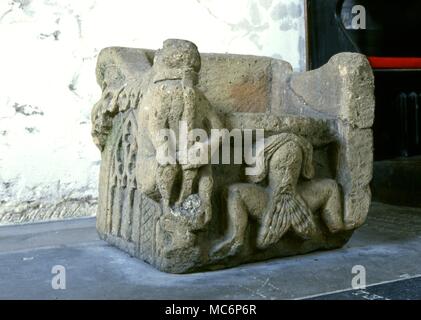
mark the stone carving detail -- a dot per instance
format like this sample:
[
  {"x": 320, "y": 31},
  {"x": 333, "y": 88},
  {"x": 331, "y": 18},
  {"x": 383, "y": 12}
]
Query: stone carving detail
[
  {"x": 171, "y": 99},
  {"x": 123, "y": 179},
  {"x": 285, "y": 203},
  {"x": 184, "y": 216}
]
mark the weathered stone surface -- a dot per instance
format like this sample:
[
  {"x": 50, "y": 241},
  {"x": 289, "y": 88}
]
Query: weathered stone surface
[
  {"x": 340, "y": 89},
  {"x": 234, "y": 83},
  {"x": 312, "y": 164},
  {"x": 355, "y": 170}
]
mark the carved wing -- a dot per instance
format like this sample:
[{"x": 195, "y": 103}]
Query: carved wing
[{"x": 120, "y": 73}]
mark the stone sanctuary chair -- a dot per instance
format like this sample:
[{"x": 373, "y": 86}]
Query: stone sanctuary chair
[{"x": 311, "y": 193}]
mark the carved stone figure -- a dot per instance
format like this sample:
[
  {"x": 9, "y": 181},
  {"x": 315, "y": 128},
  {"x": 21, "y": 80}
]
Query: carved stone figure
[
  {"x": 170, "y": 99},
  {"x": 286, "y": 202},
  {"x": 181, "y": 198}
]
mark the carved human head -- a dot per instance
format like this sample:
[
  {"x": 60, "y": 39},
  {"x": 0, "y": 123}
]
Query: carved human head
[
  {"x": 289, "y": 151},
  {"x": 178, "y": 54}
]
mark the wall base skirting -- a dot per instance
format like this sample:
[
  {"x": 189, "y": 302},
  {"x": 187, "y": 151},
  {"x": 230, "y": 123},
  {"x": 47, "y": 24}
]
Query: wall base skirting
[{"x": 26, "y": 212}]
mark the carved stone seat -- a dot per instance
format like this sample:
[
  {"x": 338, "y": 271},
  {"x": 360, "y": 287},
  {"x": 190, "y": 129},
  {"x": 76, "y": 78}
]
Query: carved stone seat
[{"x": 323, "y": 117}]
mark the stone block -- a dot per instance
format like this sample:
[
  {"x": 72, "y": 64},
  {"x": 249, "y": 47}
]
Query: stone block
[{"x": 213, "y": 160}]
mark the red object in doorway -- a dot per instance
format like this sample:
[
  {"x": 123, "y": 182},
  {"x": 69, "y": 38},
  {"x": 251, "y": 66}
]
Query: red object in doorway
[{"x": 395, "y": 62}]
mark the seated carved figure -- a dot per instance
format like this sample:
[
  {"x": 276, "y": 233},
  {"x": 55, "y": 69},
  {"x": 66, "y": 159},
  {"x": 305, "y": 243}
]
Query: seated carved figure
[
  {"x": 171, "y": 98},
  {"x": 288, "y": 200}
]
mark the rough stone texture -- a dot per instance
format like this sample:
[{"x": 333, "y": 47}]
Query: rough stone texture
[
  {"x": 249, "y": 78},
  {"x": 355, "y": 170},
  {"x": 181, "y": 217},
  {"x": 48, "y": 166},
  {"x": 340, "y": 89}
]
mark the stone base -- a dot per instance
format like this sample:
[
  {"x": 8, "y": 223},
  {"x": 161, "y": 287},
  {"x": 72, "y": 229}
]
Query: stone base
[{"x": 157, "y": 249}]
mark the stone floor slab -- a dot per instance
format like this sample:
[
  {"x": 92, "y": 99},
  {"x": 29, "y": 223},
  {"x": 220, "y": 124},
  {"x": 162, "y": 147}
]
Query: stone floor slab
[{"x": 388, "y": 246}]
